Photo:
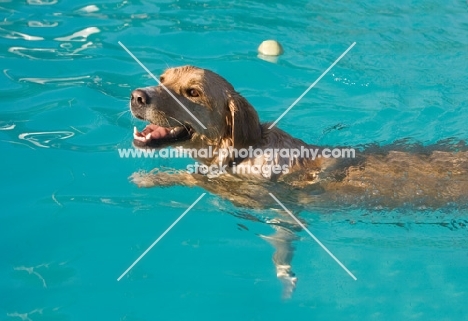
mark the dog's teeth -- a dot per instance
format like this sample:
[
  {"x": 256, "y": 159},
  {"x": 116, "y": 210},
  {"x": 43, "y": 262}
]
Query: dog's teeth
[
  {"x": 135, "y": 130},
  {"x": 148, "y": 137}
]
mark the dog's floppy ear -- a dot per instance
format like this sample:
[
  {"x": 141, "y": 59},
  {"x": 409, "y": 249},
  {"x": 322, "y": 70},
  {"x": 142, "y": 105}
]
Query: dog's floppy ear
[{"x": 242, "y": 120}]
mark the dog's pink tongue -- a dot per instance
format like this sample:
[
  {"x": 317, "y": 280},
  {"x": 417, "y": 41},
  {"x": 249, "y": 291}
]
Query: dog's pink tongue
[
  {"x": 156, "y": 131},
  {"x": 150, "y": 132}
]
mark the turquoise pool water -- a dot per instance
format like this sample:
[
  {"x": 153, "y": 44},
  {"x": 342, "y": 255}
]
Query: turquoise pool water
[{"x": 71, "y": 222}]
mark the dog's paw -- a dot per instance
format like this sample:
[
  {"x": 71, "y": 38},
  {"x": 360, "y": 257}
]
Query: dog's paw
[
  {"x": 142, "y": 179},
  {"x": 288, "y": 279}
]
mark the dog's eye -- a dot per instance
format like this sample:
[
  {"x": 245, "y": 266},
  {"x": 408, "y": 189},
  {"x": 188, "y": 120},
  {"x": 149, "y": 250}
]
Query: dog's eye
[{"x": 193, "y": 92}]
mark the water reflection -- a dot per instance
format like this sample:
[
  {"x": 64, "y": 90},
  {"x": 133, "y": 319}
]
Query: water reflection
[
  {"x": 7, "y": 126},
  {"x": 42, "y": 24},
  {"x": 61, "y": 81},
  {"x": 42, "y": 2},
  {"x": 44, "y": 139},
  {"x": 9, "y": 34},
  {"x": 81, "y": 35},
  {"x": 88, "y": 9},
  {"x": 49, "y": 53}
]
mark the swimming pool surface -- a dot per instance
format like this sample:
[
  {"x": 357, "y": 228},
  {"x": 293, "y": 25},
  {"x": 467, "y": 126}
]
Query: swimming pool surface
[{"x": 71, "y": 222}]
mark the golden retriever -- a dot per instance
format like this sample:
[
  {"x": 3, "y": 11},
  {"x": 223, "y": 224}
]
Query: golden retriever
[
  {"x": 220, "y": 118},
  {"x": 382, "y": 178}
]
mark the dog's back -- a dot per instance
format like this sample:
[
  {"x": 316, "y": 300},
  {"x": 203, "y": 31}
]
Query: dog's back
[{"x": 399, "y": 178}]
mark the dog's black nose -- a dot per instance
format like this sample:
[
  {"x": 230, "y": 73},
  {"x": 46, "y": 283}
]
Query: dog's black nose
[{"x": 139, "y": 97}]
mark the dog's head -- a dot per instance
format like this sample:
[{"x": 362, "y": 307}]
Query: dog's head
[{"x": 194, "y": 106}]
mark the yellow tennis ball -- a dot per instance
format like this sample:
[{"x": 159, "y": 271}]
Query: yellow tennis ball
[{"x": 270, "y": 48}]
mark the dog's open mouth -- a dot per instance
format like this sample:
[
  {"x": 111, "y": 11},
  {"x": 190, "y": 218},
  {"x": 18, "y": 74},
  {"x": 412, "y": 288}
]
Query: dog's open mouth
[{"x": 154, "y": 135}]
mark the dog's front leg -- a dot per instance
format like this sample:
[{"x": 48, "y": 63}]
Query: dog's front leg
[
  {"x": 163, "y": 178},
  {"x": 282, "y": 240}
]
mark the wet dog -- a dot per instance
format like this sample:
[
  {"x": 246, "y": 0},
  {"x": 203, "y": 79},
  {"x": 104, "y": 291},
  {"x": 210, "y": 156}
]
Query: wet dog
[{"x": 197, "y": 109}]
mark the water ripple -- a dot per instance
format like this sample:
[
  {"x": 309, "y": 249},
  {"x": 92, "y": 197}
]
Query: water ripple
[
  {"x": 49, "y": 53},
  {"x": 31, "y": 271},
  {"x": 81, "y": 35},
  {"x": 88, "y": 9},
  {"x": 62, "y": 81},
  {"x": 7, "y": 127},
  {"x": 42, "y": 24},
  {"x": 42, "y": 2},
  {"x": 44, "y": 139},
  {"x": 8, "y": 34}
]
